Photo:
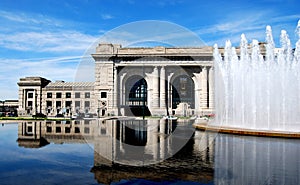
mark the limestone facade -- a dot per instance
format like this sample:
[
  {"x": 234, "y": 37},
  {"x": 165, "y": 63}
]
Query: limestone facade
[
  {"x": 39, "y": 95},
  {"x": 129, "y": 81},
  {"x": 173, "y": 80}
]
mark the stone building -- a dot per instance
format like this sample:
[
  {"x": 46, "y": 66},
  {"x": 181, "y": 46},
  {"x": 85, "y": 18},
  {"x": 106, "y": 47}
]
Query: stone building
[
  {"x": 130, "y": 81},
  {"x": 155, "y": 81},
  {"x": 39, "y": 95}
]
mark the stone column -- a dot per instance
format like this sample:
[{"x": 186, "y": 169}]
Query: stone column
[
  {"x": 211, "y": 103},
  {"x": 155, "y": 93},
  {"x": 122, "y": 90},
  {"x": 170, "y": 93},
  {"x": 197, "y": 81},
  {"x": 162, "y": 89},
  {"x": 203, "y": 99},
  {"x": 35, "y": 100},
  {"x": 115, "y": 88},
  {"x": 23, "y": 99},
  {"x": 121, "y": 95}
]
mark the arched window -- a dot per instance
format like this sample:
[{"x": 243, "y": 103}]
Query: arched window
[{"x": 136, "y": 91}]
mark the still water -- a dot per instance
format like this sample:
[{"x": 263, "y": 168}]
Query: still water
[{"x": 81, "y": 152}]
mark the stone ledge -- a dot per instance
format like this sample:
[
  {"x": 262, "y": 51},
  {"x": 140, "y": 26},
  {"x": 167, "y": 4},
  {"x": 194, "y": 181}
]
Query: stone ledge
[{"x": 248, "y": 132}]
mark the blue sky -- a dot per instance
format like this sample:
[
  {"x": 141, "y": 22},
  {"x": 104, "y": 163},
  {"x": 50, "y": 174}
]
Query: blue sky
[{"x": 48, "y": 38}]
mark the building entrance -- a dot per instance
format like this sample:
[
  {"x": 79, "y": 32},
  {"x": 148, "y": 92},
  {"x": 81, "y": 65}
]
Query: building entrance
[{"x": 136, "y": 96}]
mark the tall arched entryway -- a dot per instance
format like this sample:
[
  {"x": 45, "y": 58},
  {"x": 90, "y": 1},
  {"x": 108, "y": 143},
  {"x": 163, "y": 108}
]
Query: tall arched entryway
[
  {"x": 183, "y": 91},
  {"x": 136, "y": 96}
]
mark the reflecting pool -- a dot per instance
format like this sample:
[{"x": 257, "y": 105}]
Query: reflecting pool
[{"x": 95, "y": 152}]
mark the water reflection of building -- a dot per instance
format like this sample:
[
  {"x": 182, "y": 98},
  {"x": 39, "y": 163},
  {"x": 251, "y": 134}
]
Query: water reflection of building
[
  {"x": 110, "y": 139},
  {"x": 30, "y": 135},
  {"x": 221, "y": 158}
]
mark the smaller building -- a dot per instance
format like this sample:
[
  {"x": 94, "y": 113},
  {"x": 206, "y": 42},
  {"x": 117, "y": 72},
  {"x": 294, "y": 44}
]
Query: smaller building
[
  {"x": 40, "y": 95},
  {"x": 9, "y": 108}
]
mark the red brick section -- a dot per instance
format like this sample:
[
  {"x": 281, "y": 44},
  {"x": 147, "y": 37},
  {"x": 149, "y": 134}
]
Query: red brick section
[{"x": 249, "y": 132}]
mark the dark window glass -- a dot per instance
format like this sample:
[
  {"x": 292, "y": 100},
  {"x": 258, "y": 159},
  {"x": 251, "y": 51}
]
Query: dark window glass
[
  {"x": 86, "y": 104},
  {"x": 29, "y": 129},
  {"x": 58, "y": 103},
  {"x": 29, "y": 103},
  {"x": 49, "y": 95},
  {"x": 87, "y": 95},
  {"x": 77, "y": 130},
  {"x": 77, "y": 95},
  {"x": 68, "y": 103},
  {"x": 49, "y": 129},
  {"x": 30, "y": 95},
  {"x": 103, "y": 131},
  {"x": 103, "y": 94},
  {"x": 49, "y": 104},
  {"x": 58, "y": 95},
  {"x": 77, "y": 103},
  {"x": 67, "y": 130},
  {"x": 68, "y": 95},
  {"x": 86, "y": 130},
  {"x": 58, "y": 129}
]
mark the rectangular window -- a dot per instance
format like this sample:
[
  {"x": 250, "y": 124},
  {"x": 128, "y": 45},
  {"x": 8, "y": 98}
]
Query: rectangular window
[
  {"x": 86, "y": 104},
  {"x": 103, "y": 94},
  {"x": 77, "y": 103},
  {"x": 87, "y": 95},
  {"x": 29, "y": 129},
  {"x": 103, "y": 131},
  {"x": 58, "y": 129},
  {"x": 49, "y": 129},
  {"x": 68, "y": 104},
  {"x": 58, "y": 95},
  {"x": 29, "y": 104},
  {"x": 86, "y": 130},
  {"x": 68, "y": 95},
  {"x": 49, "y": 95},
  {"x": 67, "y": 129},
  {"x": 77, "y": 130},
  {"x": 77, "y": 95},
  {"x": 58, "y": 103},
  {"x": 49, "y": 104},
  {"x": 30, "y": 95}
]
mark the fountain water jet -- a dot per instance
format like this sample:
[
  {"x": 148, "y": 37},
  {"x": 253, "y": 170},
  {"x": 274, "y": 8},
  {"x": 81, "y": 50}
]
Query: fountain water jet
[{"x": 256, "y": 89}]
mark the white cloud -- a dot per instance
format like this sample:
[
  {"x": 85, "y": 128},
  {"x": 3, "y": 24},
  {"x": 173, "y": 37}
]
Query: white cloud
[
  {"x": 28, "y": 19},
  {"x": 39, "y": 33},
  {"x": 59, "y": 41},
  {"x": 251, "y": 24},
  {"x": 11, "y": 70},
  {"x": 106, "y": 16}
]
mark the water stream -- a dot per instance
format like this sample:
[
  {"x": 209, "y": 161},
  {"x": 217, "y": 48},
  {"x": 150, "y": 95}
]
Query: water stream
[{"x": 258, "y": 85}]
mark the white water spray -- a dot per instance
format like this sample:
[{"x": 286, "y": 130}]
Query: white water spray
[{"x": 259, "y": 89}]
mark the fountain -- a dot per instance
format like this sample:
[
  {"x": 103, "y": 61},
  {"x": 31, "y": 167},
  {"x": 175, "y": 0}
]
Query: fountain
[{"x": 258, "y": 89}]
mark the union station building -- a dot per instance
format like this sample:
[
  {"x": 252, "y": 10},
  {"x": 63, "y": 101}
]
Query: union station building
[{"x": 129, "y": 82}]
